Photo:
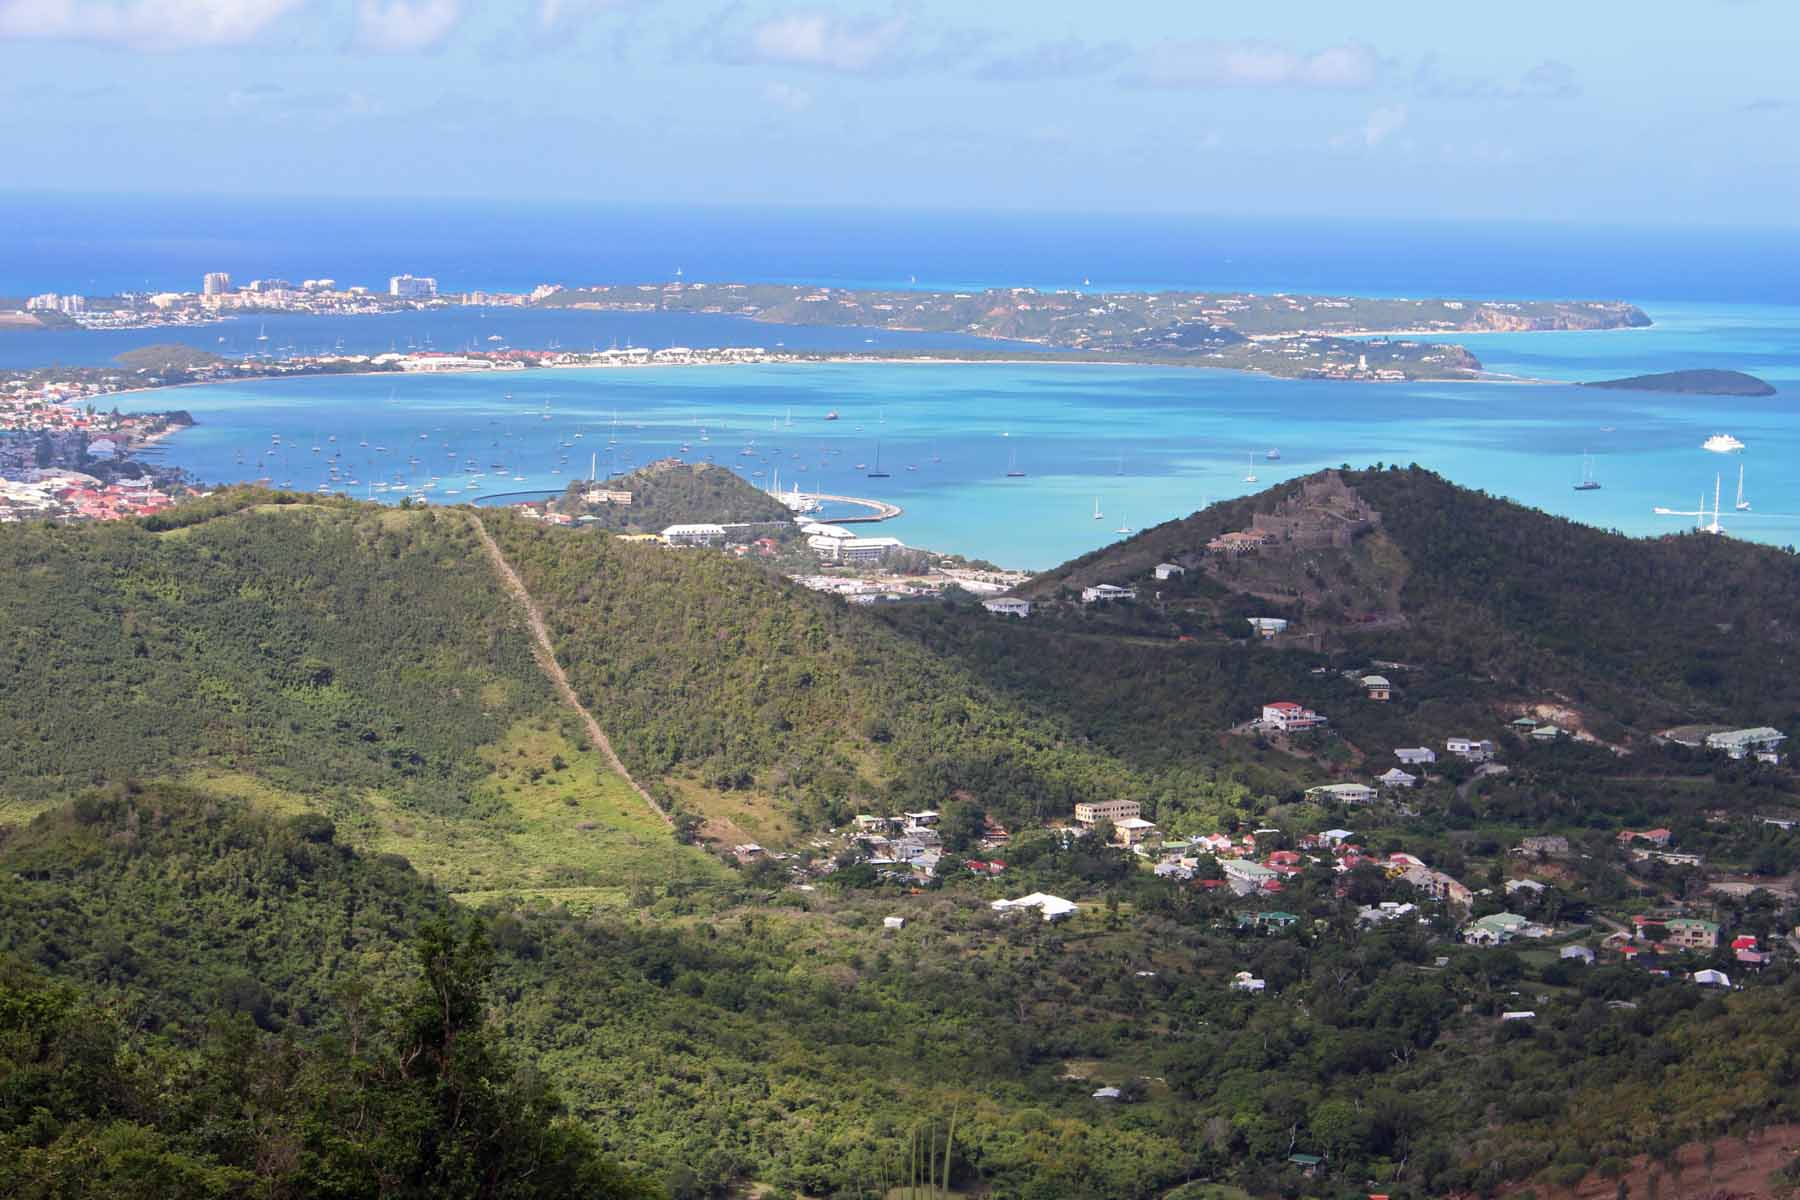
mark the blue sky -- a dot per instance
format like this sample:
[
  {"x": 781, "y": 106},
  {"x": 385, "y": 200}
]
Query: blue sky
[{"x": 1648, "y": 112}]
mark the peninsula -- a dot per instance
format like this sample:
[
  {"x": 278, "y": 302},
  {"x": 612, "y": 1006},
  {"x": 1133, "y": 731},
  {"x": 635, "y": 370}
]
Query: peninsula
[
  {"x": 1338, "y": 337},
  {"x": 1355, "y": 338}
]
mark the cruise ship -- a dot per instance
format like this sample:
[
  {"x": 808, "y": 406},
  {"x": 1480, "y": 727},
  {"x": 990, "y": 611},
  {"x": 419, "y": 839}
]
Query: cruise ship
[{"x": 1721, "y": 443}]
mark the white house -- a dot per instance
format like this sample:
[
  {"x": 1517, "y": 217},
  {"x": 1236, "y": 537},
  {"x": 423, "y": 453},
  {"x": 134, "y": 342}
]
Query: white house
[
  {"x": 893, "y": 922},
  {"x": 1740, "y": 742},
  {"x": 1008, "y": 607},
  {"x": 1712, "y": 978},
  {"x": 1416, "y": 756},
  {"x": 1243, "y": 981},
  {"x": 1053, "y": 908},
  {"x": 1107, "y": 591},
  {"x": 694, "y": 535},
  {"x": 1170, "y": 570},
  {"x": 1394, "y": 777},
  {"x": 1342, "y": 793},
  {"x": 1289, "y": 717},
  {"x": 1376, "y": 687},
  {"x": 1268, "y": 627},
  {"x": 1470, "y": 749}
]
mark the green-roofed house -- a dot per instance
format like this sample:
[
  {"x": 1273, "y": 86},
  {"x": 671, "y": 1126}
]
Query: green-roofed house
[{"x": 1495, "y": 929}]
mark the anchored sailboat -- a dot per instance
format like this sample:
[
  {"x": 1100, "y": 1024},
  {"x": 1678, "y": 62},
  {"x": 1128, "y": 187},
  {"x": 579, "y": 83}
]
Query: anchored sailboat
[
  {"x": 1012, "y": 465},
  {"x": 1250, "y": 475},
  {"x": 1097, "y": 513},
  {"x": 1743, "y": 505},
  {"x": 878, "y": 473},
  {"x": 1588, "y": 482}
]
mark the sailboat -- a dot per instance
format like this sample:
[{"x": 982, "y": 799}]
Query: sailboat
[
  {"x": 1588, "y": 482},
  {"x": 1250, "y": 475},
  {"x": 1123, "y": 527},
  {"x": 1743, "y": 505},
  {"x": 1097, "y": 513},
  {"x": 1012, "y": 465},
  {"x": 262, "y": 332},
  {"x": 878, "y": 473}
]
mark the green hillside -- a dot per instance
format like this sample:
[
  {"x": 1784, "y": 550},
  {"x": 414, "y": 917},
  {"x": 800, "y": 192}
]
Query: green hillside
[
  {"x": 256, "y": 752},
  {"x": 1520, "y": 605},
  {"x": 346, "y": 659}
]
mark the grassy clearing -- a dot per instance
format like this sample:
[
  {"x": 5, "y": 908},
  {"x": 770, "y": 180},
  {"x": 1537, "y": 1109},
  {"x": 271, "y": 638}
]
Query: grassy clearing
[{"x": 551, "y": 825}]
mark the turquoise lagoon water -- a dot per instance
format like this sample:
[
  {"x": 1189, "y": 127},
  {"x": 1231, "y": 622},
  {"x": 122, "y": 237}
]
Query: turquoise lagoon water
[{"x": 1145, "y": 444}]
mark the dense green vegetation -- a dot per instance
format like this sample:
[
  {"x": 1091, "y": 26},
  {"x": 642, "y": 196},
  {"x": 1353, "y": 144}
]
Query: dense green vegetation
[
  {"x": 804, "y": 1045},
  {"x": 257, "y": 752},
  {"x": 167, "y": 356},
  {"x": 672, "y": 492}
]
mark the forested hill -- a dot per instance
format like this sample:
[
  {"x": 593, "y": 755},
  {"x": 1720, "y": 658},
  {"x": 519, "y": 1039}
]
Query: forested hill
[
  {"x": 1654, "y": 631},
  {"x": 673, "y": 493}
]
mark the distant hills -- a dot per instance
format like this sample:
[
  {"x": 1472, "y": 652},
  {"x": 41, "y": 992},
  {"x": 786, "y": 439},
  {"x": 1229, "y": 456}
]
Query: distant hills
[{"x": 1703, "y": 382}]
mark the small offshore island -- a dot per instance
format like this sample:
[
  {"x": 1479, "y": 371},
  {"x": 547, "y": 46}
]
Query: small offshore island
[{"x": 1704, "y": 382}]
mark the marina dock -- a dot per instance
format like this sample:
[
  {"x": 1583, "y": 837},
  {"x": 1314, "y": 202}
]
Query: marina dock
[{"x": 881, "y": 509}]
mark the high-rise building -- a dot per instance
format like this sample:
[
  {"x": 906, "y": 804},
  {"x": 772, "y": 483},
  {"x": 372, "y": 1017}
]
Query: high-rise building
[
  {"x": 412, "y": 287},
  {"x": 215, "y": 283}
]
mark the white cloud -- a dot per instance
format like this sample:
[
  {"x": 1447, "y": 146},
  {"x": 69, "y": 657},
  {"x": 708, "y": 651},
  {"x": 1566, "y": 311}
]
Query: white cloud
[
  {"x": 1377, "y": 128},
  {"x": 143, "y": 24},
  {"x": 786, "y": 95},
  {"x": 1202, "y": 64},
  {"x": 825, "y": 41},
  {"x": 404, "y": 26}
]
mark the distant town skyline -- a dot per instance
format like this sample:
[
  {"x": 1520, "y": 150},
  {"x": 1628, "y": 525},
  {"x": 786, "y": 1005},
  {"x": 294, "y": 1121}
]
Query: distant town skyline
[{"x": 1664, "y": 114}]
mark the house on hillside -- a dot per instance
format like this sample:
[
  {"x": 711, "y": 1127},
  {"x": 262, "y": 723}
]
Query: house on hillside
[
  {"x": 694, "y": 535},
  {"x": 1285, "y": 716},
  {"x": 1376, "y": 687},
  {"x": 1267, "y": 920},
  {"x": 1470, "y": 749},
  {"x": 1656, "y": 837},
  {"x": 1106, "y": 592},
  {"x": 1133, "y": 831},
  {"x": 1550, "y": 846},
  {"x": 1268, "y": 627},
  {"x": 1739, "y": 743},
  {"x": 1090, "y": 813},
  {"x": 1394, "y": 777},
  {"x": 1342, "y": 793},
  {"x": 1496, "y": 929},
  {"x": 1008, "y": 607},
  {"x": 1416, "y": 756},
  {"x": 1244, "y": 981},
  {"x": 1166, "y": 571},
  {"x": 1052, "y": 908}
]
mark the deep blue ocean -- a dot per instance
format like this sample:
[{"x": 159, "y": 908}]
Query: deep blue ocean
[{"x": 1139, "y": 445}]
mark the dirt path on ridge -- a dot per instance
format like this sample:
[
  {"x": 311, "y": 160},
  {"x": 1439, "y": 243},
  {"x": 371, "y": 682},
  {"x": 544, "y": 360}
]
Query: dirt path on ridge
[{"x": 545, "y": 654}]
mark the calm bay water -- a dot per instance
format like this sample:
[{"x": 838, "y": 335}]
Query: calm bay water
[{"x": 1144, "y": 444}]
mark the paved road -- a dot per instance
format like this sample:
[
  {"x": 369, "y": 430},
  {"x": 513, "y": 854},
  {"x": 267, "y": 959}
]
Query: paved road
[{"x": 545, "y": 654}]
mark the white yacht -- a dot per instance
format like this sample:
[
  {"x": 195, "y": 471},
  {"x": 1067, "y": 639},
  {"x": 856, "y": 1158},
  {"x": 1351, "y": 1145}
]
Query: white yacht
[{"x": 1721, "y": 443}]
